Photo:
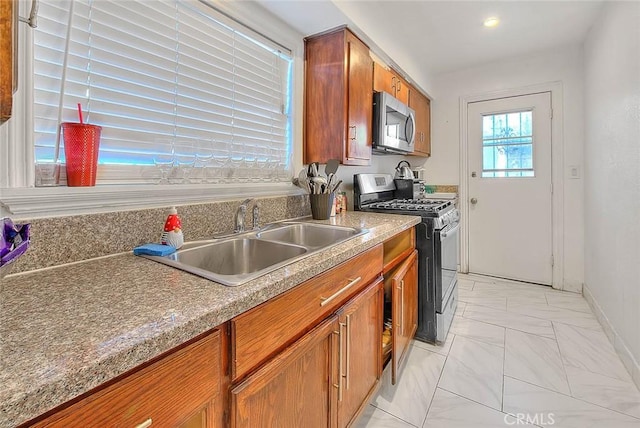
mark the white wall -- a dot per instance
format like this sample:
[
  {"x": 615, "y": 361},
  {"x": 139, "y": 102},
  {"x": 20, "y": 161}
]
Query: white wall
[
  {"x": 612, "y": 170},
  {"x": 564, "y": 65}
]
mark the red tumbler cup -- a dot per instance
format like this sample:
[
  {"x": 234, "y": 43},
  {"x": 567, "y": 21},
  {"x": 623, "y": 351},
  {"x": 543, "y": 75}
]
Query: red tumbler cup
[{"x": 81, "y": 146}]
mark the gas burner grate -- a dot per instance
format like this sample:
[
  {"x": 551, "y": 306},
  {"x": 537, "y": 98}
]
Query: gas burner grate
[{"x": 424, "y": 205}]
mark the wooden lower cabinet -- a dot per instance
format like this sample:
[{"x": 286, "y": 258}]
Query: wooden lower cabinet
[
  {"x": 360, "y": 364},
  {"x": 324, "y": 379},
  {"x": 294, "y": 389},
  {"x": 264, "y": 331},
  {"x": 182, "y": 389},
  {"x": 404, "y": 289},
  {"x": 401, "y": 297}
]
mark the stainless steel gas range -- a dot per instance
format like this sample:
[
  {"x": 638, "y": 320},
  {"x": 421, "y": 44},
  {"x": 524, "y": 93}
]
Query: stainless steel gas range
[{"x": 437, "y": 244}]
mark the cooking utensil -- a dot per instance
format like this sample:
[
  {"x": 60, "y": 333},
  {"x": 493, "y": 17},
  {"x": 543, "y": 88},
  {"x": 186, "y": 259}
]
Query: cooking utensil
[
  {"x": 336, "y": 186},
  {"x": 296, "y": 182},
  {"x": 330, "y": 170},
  {"x": 404, "y": 172},
  {"x": 331, "y": 167},
  {"x": 318, "y": 179},
  {"x": 313, "y": 169},
  {"x": 303, "y": 182},
  {"x": 330, "y": 180}
]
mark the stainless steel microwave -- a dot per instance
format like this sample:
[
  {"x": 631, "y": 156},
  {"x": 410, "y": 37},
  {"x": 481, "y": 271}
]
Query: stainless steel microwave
[{"x": 394, "y": 127}]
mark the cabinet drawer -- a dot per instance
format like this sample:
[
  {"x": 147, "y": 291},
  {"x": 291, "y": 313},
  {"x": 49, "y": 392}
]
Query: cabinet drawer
[
  {"x": 167, "y": 392},
  {"x": 264, "y": 330}
]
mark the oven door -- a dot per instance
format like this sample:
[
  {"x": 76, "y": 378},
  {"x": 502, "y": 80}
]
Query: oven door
[{"x": 446, "y": 259}]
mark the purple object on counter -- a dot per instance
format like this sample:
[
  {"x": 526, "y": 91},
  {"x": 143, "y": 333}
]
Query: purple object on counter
[{"x": 14, "y": 241}]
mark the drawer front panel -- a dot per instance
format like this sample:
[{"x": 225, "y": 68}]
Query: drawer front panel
[
  {"x": 166, "y": 393},
  {"x": 266, "y": 329}
]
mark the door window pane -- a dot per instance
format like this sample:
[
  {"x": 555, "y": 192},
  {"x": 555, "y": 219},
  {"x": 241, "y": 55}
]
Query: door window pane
[{"x": 507, "y": 145}]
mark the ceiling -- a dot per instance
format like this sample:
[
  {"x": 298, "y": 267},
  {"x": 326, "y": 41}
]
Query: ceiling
[{"x": 439, "y": 36}]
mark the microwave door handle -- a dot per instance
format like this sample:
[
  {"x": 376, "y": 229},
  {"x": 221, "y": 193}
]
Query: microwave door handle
[{"x": 412, "y": 129}]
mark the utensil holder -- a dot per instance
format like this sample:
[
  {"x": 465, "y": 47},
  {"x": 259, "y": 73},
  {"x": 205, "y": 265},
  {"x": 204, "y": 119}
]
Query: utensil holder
[
  {"x": 81, "y": 147},
  {"x": 321, "y": 205}
]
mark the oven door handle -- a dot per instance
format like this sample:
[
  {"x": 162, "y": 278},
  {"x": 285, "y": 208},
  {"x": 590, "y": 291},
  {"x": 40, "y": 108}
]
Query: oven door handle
[{"x": 449, "y": 229}]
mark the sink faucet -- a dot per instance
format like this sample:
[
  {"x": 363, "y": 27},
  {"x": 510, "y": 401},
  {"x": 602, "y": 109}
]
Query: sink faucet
[
  {"x": 240, "y": 213},
  {"x": 256, "y": 216}
]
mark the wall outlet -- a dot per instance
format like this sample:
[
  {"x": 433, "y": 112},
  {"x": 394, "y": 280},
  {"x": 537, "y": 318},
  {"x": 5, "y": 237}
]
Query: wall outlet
[{"x": 574, "y": 171}]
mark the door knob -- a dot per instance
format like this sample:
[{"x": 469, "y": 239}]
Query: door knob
[{"x": 474, "y": 201}]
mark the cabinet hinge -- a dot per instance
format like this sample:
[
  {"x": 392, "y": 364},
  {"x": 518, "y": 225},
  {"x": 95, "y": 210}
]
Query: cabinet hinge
[
  {"x": 552, "y": 188},
  {"x": 550, "y": 113},
  {"x": 552, "y": 260}
]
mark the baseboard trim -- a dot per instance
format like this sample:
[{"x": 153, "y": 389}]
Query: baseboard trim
[{"x": 629, "y": 361}]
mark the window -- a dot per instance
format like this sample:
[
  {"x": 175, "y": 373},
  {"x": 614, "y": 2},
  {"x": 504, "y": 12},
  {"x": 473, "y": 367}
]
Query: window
[
  {"x": 507, "y": 145},
  {"x": 183, "y": 93}
]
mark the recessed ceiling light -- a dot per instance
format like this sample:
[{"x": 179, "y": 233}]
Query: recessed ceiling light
[{"x": 491, "y": 22}]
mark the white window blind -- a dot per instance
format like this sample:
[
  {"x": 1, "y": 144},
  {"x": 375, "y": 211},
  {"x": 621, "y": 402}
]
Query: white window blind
[{"x": 182, "y": 92}]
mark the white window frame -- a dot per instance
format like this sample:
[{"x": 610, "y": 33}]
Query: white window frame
[{"x": 20, "y": 199}]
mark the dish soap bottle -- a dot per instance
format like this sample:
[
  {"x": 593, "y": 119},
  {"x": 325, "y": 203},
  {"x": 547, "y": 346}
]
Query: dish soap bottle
[{"x": 172, "y": 233}]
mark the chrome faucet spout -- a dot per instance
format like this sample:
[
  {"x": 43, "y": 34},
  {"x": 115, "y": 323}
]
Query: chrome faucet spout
[
  {"x": 240, "y": 213},
  {"x": 256, "y": 216}
]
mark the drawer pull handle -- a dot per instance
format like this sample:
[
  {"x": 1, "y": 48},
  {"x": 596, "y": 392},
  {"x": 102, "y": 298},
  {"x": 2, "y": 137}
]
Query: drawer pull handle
[
  {"x": 145, "y": 424},
  {"x": 353, "y": 135},
  {"x": 326, "y": 300}
]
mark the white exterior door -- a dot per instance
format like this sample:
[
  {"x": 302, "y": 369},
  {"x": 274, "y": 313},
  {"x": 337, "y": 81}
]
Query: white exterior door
[{"x": 510, "y": 193}]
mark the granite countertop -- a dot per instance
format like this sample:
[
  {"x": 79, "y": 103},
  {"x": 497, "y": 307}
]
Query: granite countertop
[{"x": 66, "y": 330}]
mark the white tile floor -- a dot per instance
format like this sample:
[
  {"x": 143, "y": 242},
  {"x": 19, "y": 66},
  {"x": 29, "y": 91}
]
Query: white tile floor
[{"x": 515, "y": 353}]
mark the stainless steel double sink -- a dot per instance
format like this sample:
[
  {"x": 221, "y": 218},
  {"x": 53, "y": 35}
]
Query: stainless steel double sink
[{"x": 245, "y": 256}]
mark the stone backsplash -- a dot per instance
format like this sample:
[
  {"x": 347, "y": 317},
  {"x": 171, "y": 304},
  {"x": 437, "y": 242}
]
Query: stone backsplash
[
  {"x": 441, "y": 188},
  {"x": 60, "y": 240}
]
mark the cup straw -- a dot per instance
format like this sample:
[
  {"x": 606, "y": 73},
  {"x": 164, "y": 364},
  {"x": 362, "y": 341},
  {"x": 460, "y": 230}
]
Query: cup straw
[
  {"x": 80, "y": 113},
  {"x": 56, "y": 153}
]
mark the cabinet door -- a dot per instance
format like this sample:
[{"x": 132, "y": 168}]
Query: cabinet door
[
  {"x": 294, "y": 389},
  {"x": 8, "y": 32},
  {"x": 203, "y": 418},
  {"x": 422, "y": 107},
  {"x": 182, "y": 389},
  {"x": 383, "y": 80},
  {"x": 360, "y": 364},
  {"x": 325, "y": 92},
  {"x": 360, "y": 103},
  {"x": 404, "y": 289},
  {"x": 402, "y": 89}
]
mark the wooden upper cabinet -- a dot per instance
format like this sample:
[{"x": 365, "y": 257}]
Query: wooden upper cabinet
[
  {"x": 8, "y": 23},
  {"x": 387, "y": 80},
  {"x": 338, "y": 99},
  {"x": 183, "y": 389},
  {"x": 422, "y": 106}
]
